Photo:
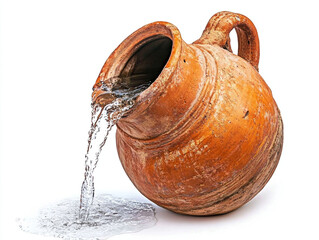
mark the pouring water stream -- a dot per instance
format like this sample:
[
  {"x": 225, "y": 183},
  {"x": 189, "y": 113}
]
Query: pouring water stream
[{"x": 101, "y": 216}]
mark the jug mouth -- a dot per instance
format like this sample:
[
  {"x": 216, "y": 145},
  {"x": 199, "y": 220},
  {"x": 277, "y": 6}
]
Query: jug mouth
[{"x": 156, "y": 47}]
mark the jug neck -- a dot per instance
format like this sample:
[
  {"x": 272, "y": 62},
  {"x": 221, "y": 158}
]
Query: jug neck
[{"x": 119, "y": 61}]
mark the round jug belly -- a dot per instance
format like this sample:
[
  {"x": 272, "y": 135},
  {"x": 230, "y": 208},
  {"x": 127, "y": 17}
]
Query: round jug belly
[{"x": 207, "y": 135}]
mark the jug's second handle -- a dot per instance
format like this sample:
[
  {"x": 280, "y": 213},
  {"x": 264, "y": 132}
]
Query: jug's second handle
[{"x": 217, "y": 32}]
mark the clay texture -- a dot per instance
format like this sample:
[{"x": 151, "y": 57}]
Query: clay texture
[{"x": 207, "y": 135}]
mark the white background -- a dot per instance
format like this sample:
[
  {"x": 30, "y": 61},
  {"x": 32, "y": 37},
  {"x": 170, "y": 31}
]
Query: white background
[{"x": 51, "y": 53}]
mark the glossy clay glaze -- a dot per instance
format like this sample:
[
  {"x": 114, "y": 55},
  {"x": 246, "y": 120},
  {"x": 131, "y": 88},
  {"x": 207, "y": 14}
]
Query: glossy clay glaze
[{"x": 207, "y": 135}]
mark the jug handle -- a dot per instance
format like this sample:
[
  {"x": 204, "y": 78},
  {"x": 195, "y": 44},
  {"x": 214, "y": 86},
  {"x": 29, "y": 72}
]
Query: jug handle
[{"x": 217, "y": 32}]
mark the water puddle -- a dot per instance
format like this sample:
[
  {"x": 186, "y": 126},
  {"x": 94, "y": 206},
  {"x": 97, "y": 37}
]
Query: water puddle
[{"x": 109, "y": 216}]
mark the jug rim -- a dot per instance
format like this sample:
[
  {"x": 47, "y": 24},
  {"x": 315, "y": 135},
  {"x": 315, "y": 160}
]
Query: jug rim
[{"x": 120, "y": 56}]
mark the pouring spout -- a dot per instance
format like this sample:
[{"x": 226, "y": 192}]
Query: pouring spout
[
  {"x": 102, "y": 98},
  {"x": 103, "y": 91},
  {"x": 125, "y": 88}
]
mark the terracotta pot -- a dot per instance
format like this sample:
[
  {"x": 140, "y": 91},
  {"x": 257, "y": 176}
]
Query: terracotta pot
[{"x": 207, "y": 135}]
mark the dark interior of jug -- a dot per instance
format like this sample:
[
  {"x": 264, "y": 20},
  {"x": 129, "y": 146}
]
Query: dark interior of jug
[{"x": 147, "y": 62}]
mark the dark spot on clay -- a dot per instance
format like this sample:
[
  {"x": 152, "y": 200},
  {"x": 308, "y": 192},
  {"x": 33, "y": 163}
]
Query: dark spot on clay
[
  {"x": 246, "y": 114},
  {"x": 248, "y": 42},
  {"x": 184, "y": 60}
]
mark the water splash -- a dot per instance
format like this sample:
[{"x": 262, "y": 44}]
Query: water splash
[{"x": 109, "y": 216}]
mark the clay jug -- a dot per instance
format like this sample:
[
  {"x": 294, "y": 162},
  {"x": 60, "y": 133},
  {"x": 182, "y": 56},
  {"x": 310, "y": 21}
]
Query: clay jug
[{"x": 206, "y": 136}]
